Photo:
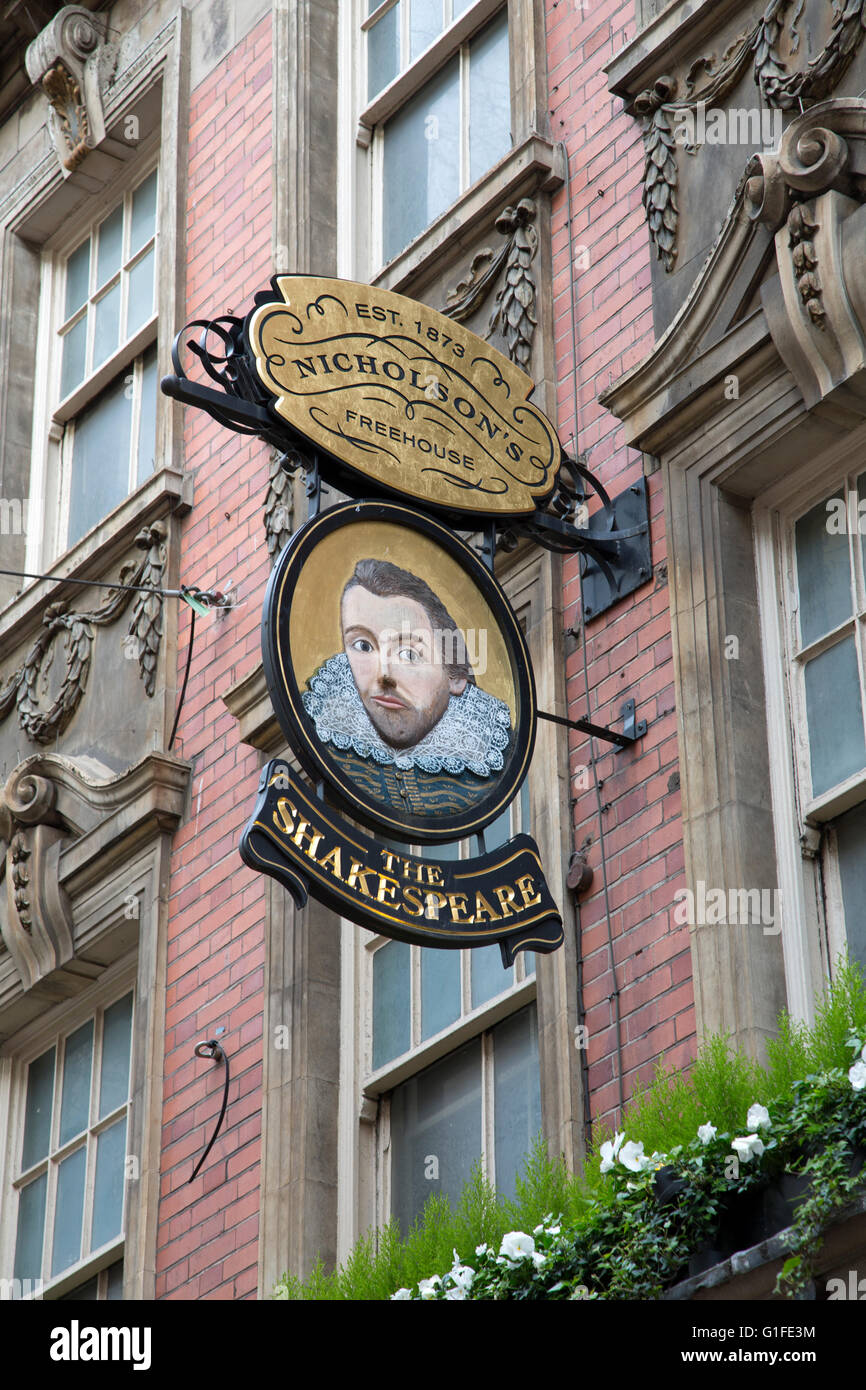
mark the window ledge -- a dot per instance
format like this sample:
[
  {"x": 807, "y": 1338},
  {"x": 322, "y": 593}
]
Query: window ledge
[
  {"x": 392, "y": 97},
  {"x": 98, "y": 552},
  {"x": 535, "y": 163},
  {"x": 666, "y": 41},
  {"x": 84, "y": 1270},
  {"x": 835, "y": 802}
]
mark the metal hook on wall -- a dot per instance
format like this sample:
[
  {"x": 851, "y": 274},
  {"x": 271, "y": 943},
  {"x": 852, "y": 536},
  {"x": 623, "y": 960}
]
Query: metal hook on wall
[{"x": 213, "y": 1049}]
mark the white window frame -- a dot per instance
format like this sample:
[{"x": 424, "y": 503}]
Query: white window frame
[
  {"x": 362, "y": 170},
  {"x": 53, "y": 423},
  {"x": 15, "y": 1058},
  {"x": 811, "y": 938}
]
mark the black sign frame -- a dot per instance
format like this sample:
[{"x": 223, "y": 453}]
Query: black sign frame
[{"x": 298, "y": 727}]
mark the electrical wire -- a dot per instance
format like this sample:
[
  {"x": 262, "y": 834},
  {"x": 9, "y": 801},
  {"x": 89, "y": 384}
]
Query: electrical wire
[
  {"x": 615, "y": 991},
  {"x": 185, "y": 678}
]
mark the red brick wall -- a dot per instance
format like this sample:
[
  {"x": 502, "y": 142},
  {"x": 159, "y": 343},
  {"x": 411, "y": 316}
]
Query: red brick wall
[
  {"x": 207, "y": 1243},
  {"x": 629, "y": 647}
]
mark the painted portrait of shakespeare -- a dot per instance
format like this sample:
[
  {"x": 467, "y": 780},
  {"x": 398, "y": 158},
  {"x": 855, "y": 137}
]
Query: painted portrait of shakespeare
[{"x": 399, "y": 708}]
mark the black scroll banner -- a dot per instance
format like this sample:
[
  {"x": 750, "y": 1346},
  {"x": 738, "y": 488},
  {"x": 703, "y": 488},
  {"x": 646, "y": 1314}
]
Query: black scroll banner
[{"x": 304, "y": 844}]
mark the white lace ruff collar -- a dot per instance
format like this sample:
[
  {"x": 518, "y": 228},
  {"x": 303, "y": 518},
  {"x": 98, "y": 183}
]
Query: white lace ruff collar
[{"x": 475, "y": 723}]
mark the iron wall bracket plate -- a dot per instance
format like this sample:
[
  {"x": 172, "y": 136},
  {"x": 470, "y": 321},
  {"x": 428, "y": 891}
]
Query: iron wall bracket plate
[{"x": 632, "y": 562}]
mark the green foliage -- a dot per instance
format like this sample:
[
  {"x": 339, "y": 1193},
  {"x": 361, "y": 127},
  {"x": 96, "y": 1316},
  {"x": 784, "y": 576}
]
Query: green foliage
[{"x": 610, "y": 1234}]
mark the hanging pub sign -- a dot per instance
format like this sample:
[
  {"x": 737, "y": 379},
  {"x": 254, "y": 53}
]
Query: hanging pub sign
[
  {"x": 397, "y": 670},
  {"x": 402, "y": 396},
  {"x": 401, "y": 679}
]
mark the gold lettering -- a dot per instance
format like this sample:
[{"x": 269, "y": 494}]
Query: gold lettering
[
  {"x": 434, "y": 875},
  {"x": 526, "y": 886},
  {"x": 305, "y": 831},
  {"x": 411, "y": 895},
  {"x": 358, "y": 878},
  {"x": 333, "y": 861},
  {"x": 285, "y": 819},
  {"x": 482, "y": 907},
  {"x": 505, "y": 896},
  {"x": 389, "y": 858},
  {"x": 387, "y": 889},
  {"x": 411, "y": 870},
  {"x": 434, "y": 901},
  {"x": 457, "y": 903}
]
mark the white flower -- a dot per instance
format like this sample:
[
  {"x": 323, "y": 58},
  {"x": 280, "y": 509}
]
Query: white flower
[
  {"x": 462, "y": 1275},
  {"x": 758, "y": 1115},
  {"x": 747, "y": 1147},
  {"x": 857, "y": 1075},
  {"x": 427, "y": 1287},
  {"x": 538, "y": 1258},
  {"x": 609, "y": 1152},
  {"x": 453, "y": 1294},
  {"x": 632, "y": 1157},
  {"x": 401, "y": 1294},
  {"x": 482, "y": 1249},
  {"x": 516, "y": 1246},
  {"x": 706, "y": 1133}
]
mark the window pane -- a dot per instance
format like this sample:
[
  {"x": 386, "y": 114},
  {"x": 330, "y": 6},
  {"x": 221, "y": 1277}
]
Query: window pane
[
  {"x": 440, "y": 990},
  {"x": 383, "y": 52},
  {"x": 140, "y": 305},
  {"x": 69, "y": 1211},
  {"x": 100, "y": 459},
  {"x": 85, "y": 1293},
  {"x": 391, "y": 1002},
  {"x": 74, "y": 349},
  {"x": 834, "y": 715},
  {"x": 107, "y": 326},
  {"x": 110, "y": 247},
  {"x": 114, "y": 1074},
  {"x": 77, "y": 1067},
  {"x": 147, "y": 421},
  {"x": 425, "y": 24},
  {"x": 851, "y": 840},
  {"x": 108, "y": 1187},
  {"x": 143, "y": 213},
  {"x": 489, "y": 98},
  {"x": 516, "y": 1095},
  {"x": 422, "y": 160},
  {"x": 115, "y": 1280},
  {"x": 37, "y": 1111},
  {"x": 498, "y": 832},
  {"x": 488, "y": 976},
  {"x": 458, "y": 6},
  {"x": 435, "y": 1132},
  {"x": 824, "y": 574},
  {"x": 77, "y": 279},
  {"x": 31, "y": 1226}
]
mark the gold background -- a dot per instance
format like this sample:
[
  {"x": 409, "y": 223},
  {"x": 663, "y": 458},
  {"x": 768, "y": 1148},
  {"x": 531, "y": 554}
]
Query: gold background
[{"x": 314, "y": 621}]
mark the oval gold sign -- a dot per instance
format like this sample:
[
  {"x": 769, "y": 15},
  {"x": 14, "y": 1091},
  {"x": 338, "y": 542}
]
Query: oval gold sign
[{"x": 403, "y": 395}]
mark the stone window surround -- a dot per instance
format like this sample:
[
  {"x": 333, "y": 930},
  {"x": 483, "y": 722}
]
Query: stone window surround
[
  {"x": 533, "y": 162},
  {"x": 28, "y": 1045},
  {"x": 156, "y": 74},
  {"x": 813, "y": 910},
  {"x": 48, "y": 479}
]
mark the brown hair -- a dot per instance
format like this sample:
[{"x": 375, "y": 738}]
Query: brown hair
[{"x": 383, "y": 579}]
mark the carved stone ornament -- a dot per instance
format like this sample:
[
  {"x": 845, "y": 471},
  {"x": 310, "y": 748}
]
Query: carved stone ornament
[
  {"x": 667, "y": 120},
  {"x": 72, "y": 62},
  {"x": 514, "y": 312},
  {"x": 793, "y": 237},
  {"x": 58, "y": 816},
  {"x": 279, "y": 501},
  {"x": 36, "y": 928},
  {"x": 142, "y": 641}
]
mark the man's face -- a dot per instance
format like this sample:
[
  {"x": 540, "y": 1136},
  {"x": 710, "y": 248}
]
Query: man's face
[{"x": 397, "y": 665}]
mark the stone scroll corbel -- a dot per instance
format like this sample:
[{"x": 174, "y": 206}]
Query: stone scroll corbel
[{"x": 73, "y": 63}]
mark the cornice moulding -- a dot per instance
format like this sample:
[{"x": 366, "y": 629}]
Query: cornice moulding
[{"x": 668, "y": 40}]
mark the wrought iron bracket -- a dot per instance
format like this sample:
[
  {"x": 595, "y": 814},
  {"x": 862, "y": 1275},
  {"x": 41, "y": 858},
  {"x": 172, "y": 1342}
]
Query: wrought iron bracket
[
  {"x": 626, "y": 522},
  {"x": 631, "y": 731}
]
